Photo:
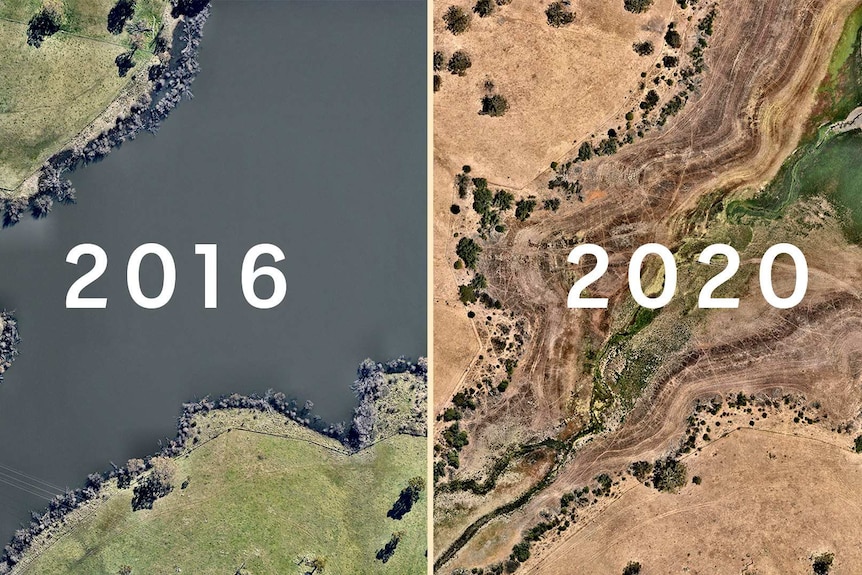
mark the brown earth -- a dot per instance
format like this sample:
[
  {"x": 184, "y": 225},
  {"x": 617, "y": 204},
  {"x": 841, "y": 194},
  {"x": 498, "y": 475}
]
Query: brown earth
[{"x": 764, "y": 64}]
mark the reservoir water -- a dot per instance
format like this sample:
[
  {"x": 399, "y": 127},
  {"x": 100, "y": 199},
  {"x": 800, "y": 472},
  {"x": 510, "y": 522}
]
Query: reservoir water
[{"x": 307, "y": 131}]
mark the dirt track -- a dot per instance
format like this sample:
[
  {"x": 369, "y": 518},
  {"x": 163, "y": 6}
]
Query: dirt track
[{"x": 764, "y": 67}]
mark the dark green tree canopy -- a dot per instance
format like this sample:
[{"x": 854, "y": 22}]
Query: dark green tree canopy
[{"x": 457, "y": 20}]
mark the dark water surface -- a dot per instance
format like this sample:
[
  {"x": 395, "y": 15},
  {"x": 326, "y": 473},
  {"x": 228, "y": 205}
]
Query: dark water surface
[{"x": 307, "y": 131}]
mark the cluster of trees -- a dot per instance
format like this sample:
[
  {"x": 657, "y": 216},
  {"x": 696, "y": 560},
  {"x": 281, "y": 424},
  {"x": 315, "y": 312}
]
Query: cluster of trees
[
  {"x": 46, "y": 22},
  {"x": 156, "y": 485},
  {"x": 669, "y": 474},
  {"x": 408, "y": 496},
  {"x": 370, "y": 386},
  {"x": 170, "y": 86},
  {"x": 9, "y": 340},
  {"x": 559, "y": 14}
]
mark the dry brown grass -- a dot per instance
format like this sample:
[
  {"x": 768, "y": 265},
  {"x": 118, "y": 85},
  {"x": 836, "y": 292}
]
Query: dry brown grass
[
  {"x": 768, "y": 502},
  {"x": 764, "y": 64}
]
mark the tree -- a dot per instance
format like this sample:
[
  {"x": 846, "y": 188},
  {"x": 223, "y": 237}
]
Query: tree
[
  {"x": 559, "y": 15},
  {"x": 585, "y": 152},
  {"x": 484, "y": 8},
  {"x": 524, "y": 208},
  {"x": 637, "y": 6},
  {"x": 643, "y": 48},
  {"x": 41, "y": 205},
  {"x": 318, "y": 565},
  {"x": 438, "y": 60},
  {"x": 459, "y": 63},
  {"x": 632, "y": 568},
  {"x": 438, "y": 82},
  {"x": 188, "y": 7},
  {"x": 125, "y": 62},
  {"x": 388, "y": 550},
  {"x": 494, "y": 106},
  {"x": 521, "y": 551},
  {"x": 409, "y": 495},
  {"x": 468, "y": 251},
  {"x": 119, "y": 15},
  {"x": 823, "y": 563},
  {"x": 124, "y": 570},
  {"x": 457, "y": 20},
  {"x": 673, "y": 39},
  {"x": 46, "y": 22},
  {"x": 669, "y": 474},
  {"x": 503, "y": 200}
]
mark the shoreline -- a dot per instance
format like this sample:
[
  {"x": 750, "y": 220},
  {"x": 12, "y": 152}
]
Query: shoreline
[
  {"x": 169, "y": 83},
  {"x": 369, "y": 387},
  {"x": 9, "y": 340}
]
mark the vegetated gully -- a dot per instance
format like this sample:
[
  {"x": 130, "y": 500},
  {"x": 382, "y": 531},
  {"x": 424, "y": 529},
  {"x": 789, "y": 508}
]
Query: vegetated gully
[{"x": 271, "y": 151}]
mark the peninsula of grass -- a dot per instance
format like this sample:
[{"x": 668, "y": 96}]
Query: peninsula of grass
[
  {"x": 248, "y": 487},
  {"x": 265, "y": 493}
]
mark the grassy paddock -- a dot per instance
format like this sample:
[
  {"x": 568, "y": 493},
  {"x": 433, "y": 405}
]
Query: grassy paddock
[
  {"x": 257, "y": 499},
  {"x": 48, "y": 95}
]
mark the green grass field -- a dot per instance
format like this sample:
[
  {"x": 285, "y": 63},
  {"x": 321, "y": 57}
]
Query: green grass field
[
  {"x": 256, "y": 499},
  {"x": 50, "y": 94}
]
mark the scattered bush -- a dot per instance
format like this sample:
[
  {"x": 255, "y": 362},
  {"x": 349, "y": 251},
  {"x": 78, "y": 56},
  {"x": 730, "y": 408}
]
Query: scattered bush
[
  {"x": 457, "y": 20},
  {"x": 641, "y": 470},
  {"x": 552, "y": 204},
  {"x": 559, "y": 15}
]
